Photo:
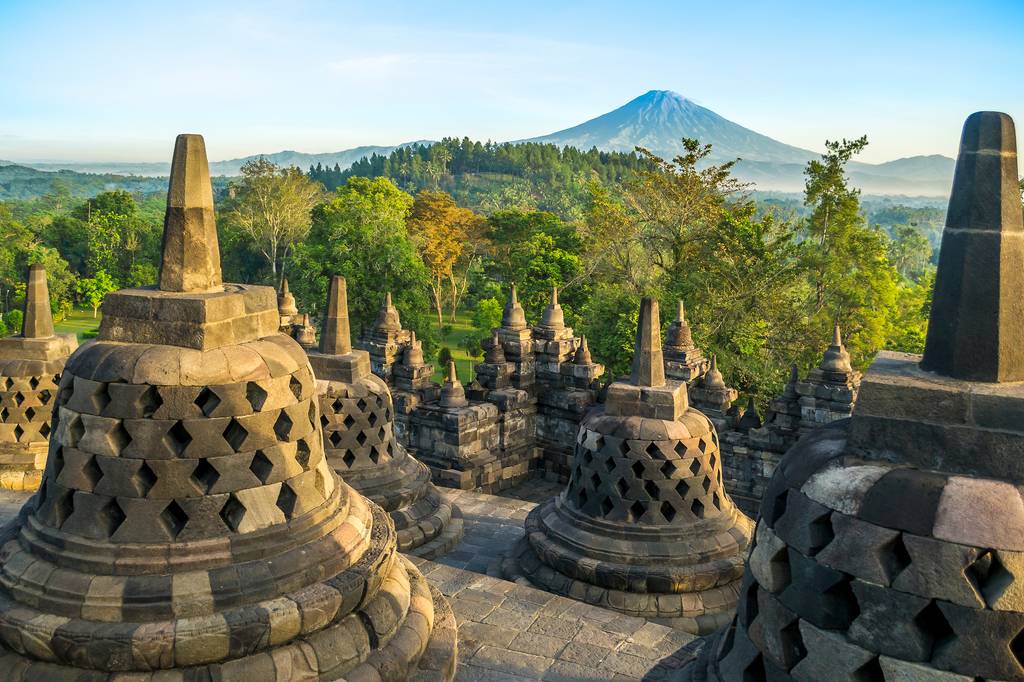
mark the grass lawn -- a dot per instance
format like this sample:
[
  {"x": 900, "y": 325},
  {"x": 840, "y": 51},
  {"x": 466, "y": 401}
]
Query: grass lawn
[
  {"x": 462, "y": 329},
  {"x": 78, "y": 322}
]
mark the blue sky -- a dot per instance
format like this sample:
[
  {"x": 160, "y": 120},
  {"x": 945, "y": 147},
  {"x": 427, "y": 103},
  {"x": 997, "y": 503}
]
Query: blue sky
[{"x": 117, "y": 81}]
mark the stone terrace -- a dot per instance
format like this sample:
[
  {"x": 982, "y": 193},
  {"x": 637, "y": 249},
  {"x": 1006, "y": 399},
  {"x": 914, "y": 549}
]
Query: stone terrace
[{"x": 514, "y": 633}]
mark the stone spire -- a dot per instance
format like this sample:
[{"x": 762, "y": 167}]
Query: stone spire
[
  {"x": 413, "y": 356},
  {"x": 495, "y": 351},
  {"x": 305, "y": 333},
  {"x": 750, "y": 419},
  {"x": 452, "y": 393},
  {"x": 191, "y": 257},
  {"x": 836, "y": 358},
  {"x": 648, "y": 364},
  {"x": 582, "y": 356},
  {"x": 388, "y": 319},
  {"x": 37, "y": 322},
  {"x": 714, "y": 379},
  {"x": 553, "y": 317},
  {"x": 336, "y": 339},
  {"x": 285, "y": 301},
  {"x": 513, "y": 317},
  {"x": 976, "y": 329},
  {"x": 678, "y": 336}
]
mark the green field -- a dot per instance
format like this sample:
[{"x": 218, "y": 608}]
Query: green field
[
  {"x": 80, "y": 322},
  {"x": 461, "y": 329}
]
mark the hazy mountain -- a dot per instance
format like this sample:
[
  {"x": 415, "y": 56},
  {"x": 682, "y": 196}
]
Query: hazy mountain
[
  {"x": 659, "y": 119},
  {"x": 230, "y": 167}
]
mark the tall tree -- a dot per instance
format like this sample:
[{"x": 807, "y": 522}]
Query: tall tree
[{"x": 272, "y": 207}]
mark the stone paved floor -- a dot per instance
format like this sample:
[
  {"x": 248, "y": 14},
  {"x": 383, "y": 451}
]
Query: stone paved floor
[{"x": 515, "y": 633}]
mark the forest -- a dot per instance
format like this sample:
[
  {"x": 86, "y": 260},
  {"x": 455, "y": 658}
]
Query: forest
[{"x": 448, "y": 227}]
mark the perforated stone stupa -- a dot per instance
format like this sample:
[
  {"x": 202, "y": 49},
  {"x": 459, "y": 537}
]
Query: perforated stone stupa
[
  {"x": 644, "y": 526},
  {"x": 891, "y": 545},
  {"x": 357, "y": 422},
  {"x": 30, "y": 368},
  {"x": 188, "y": 526}
]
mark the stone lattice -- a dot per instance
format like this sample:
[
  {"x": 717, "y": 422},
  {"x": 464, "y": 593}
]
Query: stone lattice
[
  {"x": 891, "y": 545},
  {"x": 30, "y": 368},
  {"x": 644, "y": 525},
  {"x": 358, "y": 433},
  {"x": 188, "y": 525}
]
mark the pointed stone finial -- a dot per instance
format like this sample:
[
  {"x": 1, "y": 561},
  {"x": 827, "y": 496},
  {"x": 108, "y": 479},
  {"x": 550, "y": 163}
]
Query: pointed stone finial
[
  {"x": 387, "y": 318},
  {"x": 553, "y": 317},
  {"x": 681, "y": 313},
  {"x": 284, "y": 286},
  {"x": 750, "y": 419},
  {"x": 714, "y": 379},
  {"x": 453, "y": 377},
  {"x": 513, "y": 316},
  {"x": 286, "y": 302},
  {"x": 582, "y": 356},
  {"x": 191, "y": 255},
  {"x": 495, "y": 351},
  {"x": 678, "y": 336},
  {"x": 306, "y": 334},
  {"x": 648, "y": 362},
  {"x": 336, "y": 338},
  {"x": 976, "y": 328},
  {"x": 836, "y": 358},
  {"x": 413, "y": 356},
  {"x": 37, "y": 323},
  {"x": 452, "y": 393},
  {"x": 837, "y": 336}
]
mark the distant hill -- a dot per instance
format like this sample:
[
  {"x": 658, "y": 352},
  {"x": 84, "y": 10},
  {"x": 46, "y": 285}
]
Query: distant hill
[
  {"x": 231, "y": 167},
  {"x": 659, "y": 119}
]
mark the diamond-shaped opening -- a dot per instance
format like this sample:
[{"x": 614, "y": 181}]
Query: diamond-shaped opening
[
  {"x": 749, "y": 607},
  {"x": 64, "y": 506},
  {"x": 57, "y": 460},
  {"x": 232, "y": 513},
  {"x": 349, "y": 458},
  {"x": 843, "y": 602},
  {"x": 361, "y": 438},
  {"x": 609, "y": 464},
  {"x": 706, "y": 483},
  {"x": 680, "y": 449},
  {"x": 697, "y": 507},
  {"x": 755, "y": 670},
  {"x": 44, "y": 430},
  {"x": 283, "y": 426},
  {"x": 989, "y": 577},
  {"x": 895, "y": 557},
  {"x": 702, "y": 445},
  {"x": 716, "y": 501},
  {"x": 695, "y": 466},
  {"x": 712, "y": 461},
  {"x": 581, "y": 498},
  {"x": 933, "y": 625},
  {"x": 636, "y": 511},
  {"x": 256, "y": 395},
  {"x": 652, "y": 489},
  {"x": 19, "y": 398},
  {"x": 144, "y": 479},
  {"x": 1017, "y": 647},
  {"x": 623, "y": 447},
  {"x": 34, "y": 383},
  {"x": 821, "y": 533},
  {"x": 8, "y": 383},
  {"x": 302, "y": 453},
  {"x": 286, "y": 500},
  {"x": 348, "y": 421},
  {"x": 682, "y": 489},
  {"x": 207, "y": 401},
  {"x": 595, "y": 480},
  {"x": 178, "y": 438},
  {"x": 337, "y": 405},
  {"x": 45, "y": 395},
  {"x": 149, "y": 402},
  {"x": 324, "y": 421},
  {"x": 335, "y": 439},
  {"x": 206, "y": 475},
  {"x": 371, "y": 418},
  {"x": 102, "y": 397},
  {"x": 111, "y": 517},
  {"x": 320, "y": 483},
  {"x": 869, "y": 672},
  {"x": 779, "y": 508},
  {"x": 3, "y": 414},
  {"x": 668, "y": 469},
  {"x": 606, "y": 506},
  {"x": 18, "y": 432},
  {"x": 638, "y": 469},
  {"x": 653, "y": 451},
  {"x": 622, "y": 486},
  {"x": 295, "y": 386},
  {"x": 375, "y": 454},
  {"x": 92, "y": 472},
  {"x": 588, "y": 457},
  {"x": 235, "y": 435},
  {"x": 173, "y": 518},
  {"x": 361, "y": 405},
  {"x": 30, "y": 413},
  {"x": 668, "y": 511},
  {"x": 312, "y": 412},
  {"x": 118, "y": 438},
  {"x": 261, "y": 466}
]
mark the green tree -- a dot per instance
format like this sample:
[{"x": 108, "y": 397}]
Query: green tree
[
  {"x": 360, "y": 232},
  {"x": 91, "y": 290},
  {"x": 487, "y": 315},
  {"x": 910, "y": 252}
]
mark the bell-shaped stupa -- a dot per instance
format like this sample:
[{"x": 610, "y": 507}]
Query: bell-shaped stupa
[
  {"x": 30, "y": 368},
  {"x": 644, "y": 526},
  {"x": 358, "y": 431},
  {"x": 891, "y": 545},
  {"x": 188, "y": 526}
]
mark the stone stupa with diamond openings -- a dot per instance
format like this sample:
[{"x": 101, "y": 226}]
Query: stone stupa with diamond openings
[
  {"x": 358, "y": 431},
  {"x": 891, "y": 545},
  {"x": 644, "y": 526},
  {"x": 286, "y": 307},
  {"x": 683, "y": 359},
  {"x": 188, "y": 526},
  {"x": 30, "y": 368}
]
